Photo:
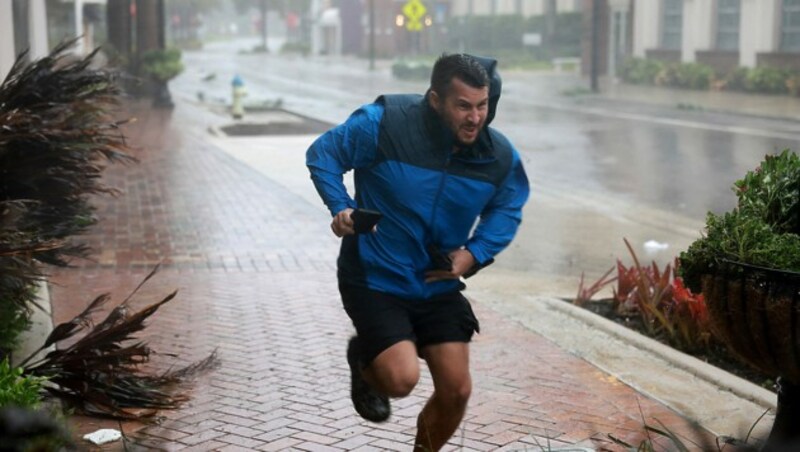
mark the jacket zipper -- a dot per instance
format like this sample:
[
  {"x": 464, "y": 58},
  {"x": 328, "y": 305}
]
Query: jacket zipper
[{"x": 445, "y": 172}]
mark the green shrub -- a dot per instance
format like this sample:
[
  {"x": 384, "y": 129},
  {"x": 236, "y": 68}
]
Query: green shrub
[
  {"x": 296, "y": 47},
  {"x": 768, "y": 80},
  {"x": 694, "y": 76},
  {"x": 503, "y": 33},
  {"x": 162, "y": 65},
  {"x": 736, "y": 80},
  {"x": 513, "y": 59},
  {"x": 762, "y": 230},
  {"x": 686, "y": 75},
  {"x": 567, "y": 34},
  {"x": 641, "y": 71},
  {"x": 486, "y": 34},
  {"x": 412, "y": 70},
  {"x": 793, "y": 84},
  {"x": 189, "y": 44},
  {"x": 16, "y": 390}
]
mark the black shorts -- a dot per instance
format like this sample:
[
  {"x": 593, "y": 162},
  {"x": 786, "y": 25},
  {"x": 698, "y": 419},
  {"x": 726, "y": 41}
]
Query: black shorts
[{"x": 382, "y": 320}]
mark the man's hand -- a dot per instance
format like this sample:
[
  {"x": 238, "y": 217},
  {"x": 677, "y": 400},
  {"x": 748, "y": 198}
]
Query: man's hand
[
  {"x": 342, "y": 224},
  {"x": 462, "y": 261}
]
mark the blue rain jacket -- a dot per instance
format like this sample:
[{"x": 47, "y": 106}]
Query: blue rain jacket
[{"x": 405, "y": 167}]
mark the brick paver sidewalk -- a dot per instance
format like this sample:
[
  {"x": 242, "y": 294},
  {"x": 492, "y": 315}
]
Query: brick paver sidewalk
[{"x": 255, "y": 269}]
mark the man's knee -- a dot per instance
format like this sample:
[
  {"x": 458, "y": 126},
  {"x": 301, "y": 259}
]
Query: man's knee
[
  {"x": 396, "y": 369},
  {"x": 455, "y": 394},
  {"x": 399, "y": 381}
]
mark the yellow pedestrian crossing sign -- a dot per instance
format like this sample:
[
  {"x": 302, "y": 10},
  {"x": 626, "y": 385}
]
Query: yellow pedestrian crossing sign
[{"x": 414, "y": 10}]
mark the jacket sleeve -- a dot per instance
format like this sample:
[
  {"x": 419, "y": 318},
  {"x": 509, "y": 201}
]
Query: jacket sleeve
[
  {"x": 502, "y": 215},
  {"x": 350, "y": 145}
]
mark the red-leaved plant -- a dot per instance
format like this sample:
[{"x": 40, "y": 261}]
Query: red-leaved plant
[{"x": 659, "y": 297}]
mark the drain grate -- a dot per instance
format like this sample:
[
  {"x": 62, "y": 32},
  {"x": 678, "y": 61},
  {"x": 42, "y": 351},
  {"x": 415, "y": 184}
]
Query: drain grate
[{"x": 276, "y": 122}]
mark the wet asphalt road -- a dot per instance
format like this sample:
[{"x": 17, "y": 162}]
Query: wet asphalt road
[{"x": 600, "y": 170}]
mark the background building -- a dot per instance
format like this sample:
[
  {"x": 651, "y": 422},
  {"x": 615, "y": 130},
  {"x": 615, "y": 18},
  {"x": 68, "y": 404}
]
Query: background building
[
  {"x": 526, "y": 8},
  {"x": 724, "y": 34},
  {"x": 333, "y": 19},
  {"x": 23, "y": 25}
]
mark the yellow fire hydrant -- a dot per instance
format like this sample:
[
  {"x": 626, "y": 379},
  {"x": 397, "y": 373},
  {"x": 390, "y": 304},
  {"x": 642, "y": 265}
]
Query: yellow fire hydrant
[{"x": 237, "y": 106}]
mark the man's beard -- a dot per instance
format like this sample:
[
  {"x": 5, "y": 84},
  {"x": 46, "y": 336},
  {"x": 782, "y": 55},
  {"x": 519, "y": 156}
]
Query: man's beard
[{"x": 455, "y": 128}]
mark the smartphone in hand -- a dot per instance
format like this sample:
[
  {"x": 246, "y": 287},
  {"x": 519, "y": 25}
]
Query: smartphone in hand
[
  {"x": 364, "y": 220},
  {"x": 439, "y": 260}
]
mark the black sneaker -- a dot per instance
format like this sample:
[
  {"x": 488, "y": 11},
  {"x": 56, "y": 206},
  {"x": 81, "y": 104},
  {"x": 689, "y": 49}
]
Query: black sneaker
[{"x": 369, "y": 403}]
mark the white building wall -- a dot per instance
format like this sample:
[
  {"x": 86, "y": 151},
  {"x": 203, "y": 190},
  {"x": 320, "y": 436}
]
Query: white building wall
[
  {"x": 568, "y": 6},
  {"x": 759, "y": 30},
  {"x": 534, "y": 8},
  {"x": 481, "y": 7},
  {"x": 458, "y": 8},
  {"x": 6, "y": 38},
  {"x": 37, "y": 28},
  {"x": 647, "y": 26},
  {"x": 529, "y": 7},
  {"x": 505, "y": 6},
  {"x": 698, "y": 28}
]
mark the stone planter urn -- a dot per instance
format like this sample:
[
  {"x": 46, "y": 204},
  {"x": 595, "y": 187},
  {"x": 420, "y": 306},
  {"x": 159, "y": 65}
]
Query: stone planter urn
[{"x": 756, "y": 312}]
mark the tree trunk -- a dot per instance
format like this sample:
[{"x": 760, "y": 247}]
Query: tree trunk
[
  {"x": 148, "y": 26},
  {"x": 118, "y": 21}
]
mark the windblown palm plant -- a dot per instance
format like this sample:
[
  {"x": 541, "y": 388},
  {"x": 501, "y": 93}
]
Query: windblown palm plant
[
  {"x": 99, "y": 373},
  {"x": 57, "y": 133}
]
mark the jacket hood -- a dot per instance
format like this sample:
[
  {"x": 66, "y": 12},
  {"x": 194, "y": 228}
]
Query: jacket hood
[{"x": 495, "y": 84}]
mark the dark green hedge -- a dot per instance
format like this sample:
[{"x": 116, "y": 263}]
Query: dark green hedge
[
  {"x": 492, "y": 34},
  {"x": 766, "y": 80}
]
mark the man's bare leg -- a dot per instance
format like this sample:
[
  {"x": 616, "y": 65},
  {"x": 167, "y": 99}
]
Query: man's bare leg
[
  {"x": 452, "y": 386},
  {"x": 395, "y": 371}
]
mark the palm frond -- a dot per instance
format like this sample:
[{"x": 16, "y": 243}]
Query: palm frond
[
  {"x": 57, "y": 134},
  {"x": 100, "y": 374}
]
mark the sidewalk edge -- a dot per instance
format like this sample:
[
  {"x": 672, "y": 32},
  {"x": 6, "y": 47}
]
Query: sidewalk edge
[{"x": 713, "y": 375}]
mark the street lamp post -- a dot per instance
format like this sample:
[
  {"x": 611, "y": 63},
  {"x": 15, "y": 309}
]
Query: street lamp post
[
  {"x": 79, "y": 47},
  {"x": 263, "y": 6},
  {"x": 595, "y": 69},
  {"x": 371, "y": 35},
  {"x": 617, "y": 33}
]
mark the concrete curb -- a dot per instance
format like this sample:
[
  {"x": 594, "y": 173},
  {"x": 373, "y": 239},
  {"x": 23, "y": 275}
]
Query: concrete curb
[
  {"x": 726, "y": 381},
  {"x": 721, "y": 403}
]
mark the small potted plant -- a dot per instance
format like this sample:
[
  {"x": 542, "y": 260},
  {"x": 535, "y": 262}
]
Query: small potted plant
[
  {"x": 747, "y": 265},
  {"x": 161, "y": 66}
]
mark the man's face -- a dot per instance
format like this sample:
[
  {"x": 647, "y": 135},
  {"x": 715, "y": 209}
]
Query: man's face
[{"x": 463, "y": 110}]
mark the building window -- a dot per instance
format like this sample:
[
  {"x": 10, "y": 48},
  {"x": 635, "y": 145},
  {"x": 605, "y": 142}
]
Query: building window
[
  {"x": 728, "y": 24},
  {"x": 672, "y": 29},
  {"x": 790, "y": 26}
]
